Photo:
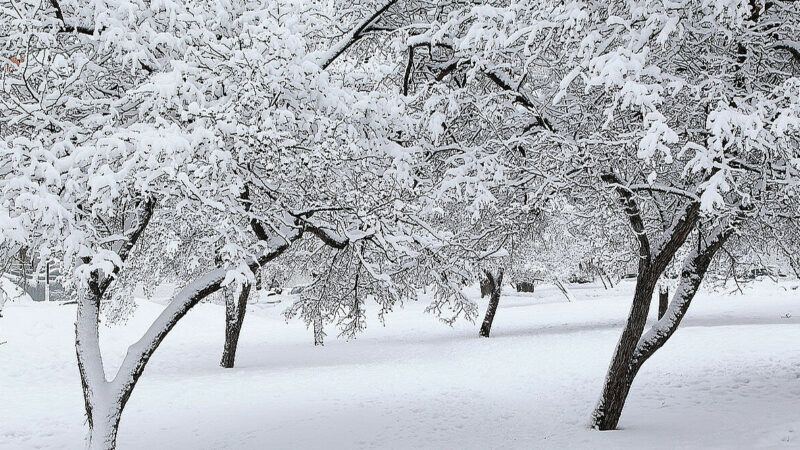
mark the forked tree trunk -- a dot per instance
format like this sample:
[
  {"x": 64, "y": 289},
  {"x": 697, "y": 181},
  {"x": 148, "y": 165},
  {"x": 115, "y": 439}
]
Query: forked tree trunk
[
  {"x": 634, "y": 349},
  {"x": 235, "y": 309},
  {"x": 105, "y": 400},
  {"x": 496, "y": 284},
  {"x": 652, "y": 263}
]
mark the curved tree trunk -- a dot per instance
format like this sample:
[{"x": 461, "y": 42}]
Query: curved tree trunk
[
  {"x": 105, "y": 400},
  {"x": 653, "y": 260},
  {"x": 615, "y": 390},
  {"x": 496, "y": 285},
  {"x": 629, "y": 358},
  {"x": 235, "y": 309}
]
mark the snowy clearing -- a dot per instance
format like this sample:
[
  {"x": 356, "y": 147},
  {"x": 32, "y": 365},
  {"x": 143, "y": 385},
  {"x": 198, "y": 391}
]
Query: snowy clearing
[{"x": 730, "y": 378}]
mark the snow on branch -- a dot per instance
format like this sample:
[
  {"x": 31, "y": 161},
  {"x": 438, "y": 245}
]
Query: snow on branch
[
  {"x": 141, "y": 351},
  {"x": 633, "y": 212},
  {"x": 694, "y": 268},
  {"x": 327, "y": 58}
]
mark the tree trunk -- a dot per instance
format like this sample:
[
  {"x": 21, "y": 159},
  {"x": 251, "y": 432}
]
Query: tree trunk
[
  {"x": 235, "y": 310},
  {"x": 102, "y": 410},
  {"x": 319, "y": 331},
  {"x": 617, "y": 383},
  {"x": 103, "y": 432},
  {"x": 663, "y": 301},
  {"x": 563, "y": 290},
  {"x": 526, "y": 286},
  {"x": 634, "y": 349},
  {"x": 496, "y": 284},
  {"x": 486, "y": 287}
]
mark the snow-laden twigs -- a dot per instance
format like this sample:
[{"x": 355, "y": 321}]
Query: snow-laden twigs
[{"x": 357, "y": 32}]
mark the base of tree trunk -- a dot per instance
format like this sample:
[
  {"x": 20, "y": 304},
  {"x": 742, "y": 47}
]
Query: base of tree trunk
[
  {"x": 609, "y": 409},
  {"x": 234, "y": 318},
  {"x": 103, "y": 433},
  {"x": 496, "y": 283}
]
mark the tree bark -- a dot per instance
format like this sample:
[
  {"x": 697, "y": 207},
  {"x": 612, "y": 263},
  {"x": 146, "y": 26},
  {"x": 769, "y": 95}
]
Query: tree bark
[
  {"x": 628, "y": 358},
  {"x": 103, "y": 431},
  {"x": 496, "y": 284},
  {"x": 663, "y": 301},
  {"x": 235, "y": 310},
  {"x": 617, "y": 385},
  {"x": 652, "y": 263}
]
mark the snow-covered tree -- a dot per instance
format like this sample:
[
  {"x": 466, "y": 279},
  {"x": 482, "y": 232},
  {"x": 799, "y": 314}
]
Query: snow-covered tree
[
  {"x": 687, "y": 113},
  {"x": 232, "y": 131}
]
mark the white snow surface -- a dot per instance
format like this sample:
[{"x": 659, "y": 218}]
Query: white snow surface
[{"x": 729, "y": 378}]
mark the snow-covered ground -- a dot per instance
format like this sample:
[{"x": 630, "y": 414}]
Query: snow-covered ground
[{"x": 729, "y": 378}]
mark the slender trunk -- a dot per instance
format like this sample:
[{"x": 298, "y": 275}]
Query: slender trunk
[
  {"x": 604, "y": 274},
  {"x": 319, "y": 332},
  {"x": 615, "y": 390},
  {"x": 496, "y": 284},
  {"x": 663, "y": 301},
  {"x": 563, "y": 290},
  {"x": 629, "y": 357},
  {"x": 90, "y": 365},
  {"x": 105, "y": 400},
  {"x": 235, "y": 310}
]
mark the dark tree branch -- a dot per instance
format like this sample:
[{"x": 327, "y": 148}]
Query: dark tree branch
[
  {"x": 326, "y": 235},
  {"x": 409, "y": 66},
  {"x": 356, "y": 34},
  {"x": 634, "y": 214},
  {"x": 69, "y": 28},
  {"x": 98, "y": 284},
  {"x": 794, "y": 51},
  {"x": 519, "y": 98},
  {"x": 677, "y": 235}
]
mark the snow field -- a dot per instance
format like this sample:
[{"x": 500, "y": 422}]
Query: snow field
[{"x": 729, "y": 378}]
